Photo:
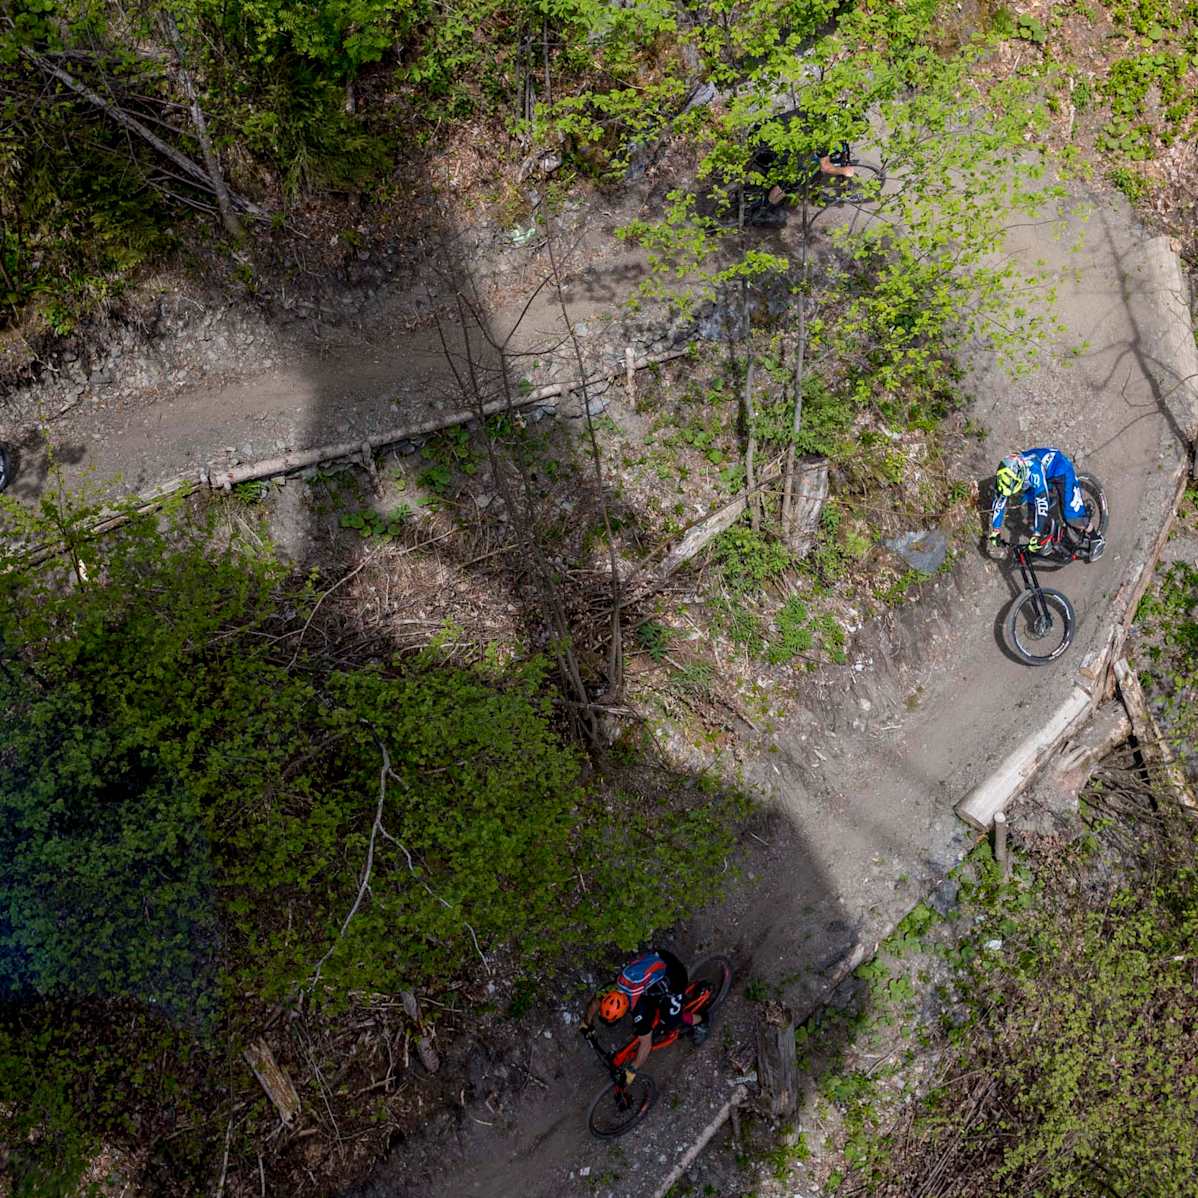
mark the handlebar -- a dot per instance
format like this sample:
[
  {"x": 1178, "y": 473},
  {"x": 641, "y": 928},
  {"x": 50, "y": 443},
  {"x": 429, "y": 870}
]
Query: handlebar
[{"x": 606, "y": 1056}]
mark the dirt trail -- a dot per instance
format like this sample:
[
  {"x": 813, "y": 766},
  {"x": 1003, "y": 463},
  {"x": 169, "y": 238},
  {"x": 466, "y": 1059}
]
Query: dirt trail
[
  {"x": 865, "y": 772},
  {"x": 866, "y": 776}
]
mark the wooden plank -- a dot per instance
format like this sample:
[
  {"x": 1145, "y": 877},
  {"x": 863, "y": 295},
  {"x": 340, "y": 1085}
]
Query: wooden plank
[{"x": 991, "y": 796}]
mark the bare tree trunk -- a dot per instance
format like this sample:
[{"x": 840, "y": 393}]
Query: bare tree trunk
[
  {"x": 521, "y": 515},
  {"x": 195, "y": 174},
  {"x": 615, "y": 660},
  {"x": 788, "y": 486},
  {"x": 215, "y": 177},
  {"x": 751, "y": 493}
]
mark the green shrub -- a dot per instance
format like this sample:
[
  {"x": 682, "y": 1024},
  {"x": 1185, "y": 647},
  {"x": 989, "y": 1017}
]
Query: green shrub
[
  {"x": 748, "y": 559},
  {"x": 654, "y": 638},
  {"x": 188, "y": 801},
  {"x": 1132, "y": 183},
  {"x": 795, "y": 632}
]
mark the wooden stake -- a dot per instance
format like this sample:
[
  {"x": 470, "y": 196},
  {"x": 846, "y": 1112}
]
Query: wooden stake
[
  {"x": 1002, "y": 850},
  {"x": 630, "y": 375}
]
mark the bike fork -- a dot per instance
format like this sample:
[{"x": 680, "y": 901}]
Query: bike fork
[{"x": 1032, "y": 583}]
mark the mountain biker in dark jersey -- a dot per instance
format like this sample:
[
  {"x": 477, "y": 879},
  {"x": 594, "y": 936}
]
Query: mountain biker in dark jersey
[
  {"x": 1036, "y": 477},
  {"x": 652, "y": 987},
  {"x": 766, "y": 160}
]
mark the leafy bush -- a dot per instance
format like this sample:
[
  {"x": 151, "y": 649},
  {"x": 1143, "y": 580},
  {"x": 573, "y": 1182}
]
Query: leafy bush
[
  {"x": 189, "y": 798},
  {"x": 795, "y": 632},
  {"x": 654, "y": 638},
  {"x": 748, "y": 559}
]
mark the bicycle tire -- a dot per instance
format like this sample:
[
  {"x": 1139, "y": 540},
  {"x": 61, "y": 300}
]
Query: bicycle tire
[
  {"x": 865, "y": 185},
  {"x": 618, "y": 1109},
  {"x": 719, "y": 982},
  {"x": 1064, "y": 615},
  {"x": 1094, "y": 498}
]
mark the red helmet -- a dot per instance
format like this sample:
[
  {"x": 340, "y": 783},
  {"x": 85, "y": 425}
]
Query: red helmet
[{"x": 613, "y": 1006}]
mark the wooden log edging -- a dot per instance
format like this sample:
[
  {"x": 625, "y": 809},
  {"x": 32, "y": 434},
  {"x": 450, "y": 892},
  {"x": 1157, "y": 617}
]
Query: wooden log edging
[
  {"x": 300, "y": 459},
  {"x": 217, "y": 479},
  {"x": 705, "y": 1138}
]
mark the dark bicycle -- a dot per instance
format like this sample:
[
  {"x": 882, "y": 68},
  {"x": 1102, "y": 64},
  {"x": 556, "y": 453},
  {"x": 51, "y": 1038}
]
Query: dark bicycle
[
  {"x": 748, "y": 204},
  {"x": 619, "y": 1107},
  {"x": 1040, "y": 624}
]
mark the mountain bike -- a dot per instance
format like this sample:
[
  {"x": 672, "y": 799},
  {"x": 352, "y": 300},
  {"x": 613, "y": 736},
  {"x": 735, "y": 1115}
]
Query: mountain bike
[
  {"x": 619, "y": 1107},
  {"x": 749, "y": 204},
  {"x": 1040, "y": 624}
]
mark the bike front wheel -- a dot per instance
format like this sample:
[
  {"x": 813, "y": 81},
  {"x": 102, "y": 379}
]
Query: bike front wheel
[
  {"x": 1040, "y": 626},
  {"x": 618, "y": 1109}
]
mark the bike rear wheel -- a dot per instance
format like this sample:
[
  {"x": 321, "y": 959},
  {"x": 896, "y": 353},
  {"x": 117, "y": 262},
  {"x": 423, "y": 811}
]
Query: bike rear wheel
[
  {"x": 618, "y": 1109},
  {"x": 1040, "y": 632},
  {"x": 864, "y": 186},
  {"x": 1094, "y": 498},
  {"x": 710, "y": 981}
]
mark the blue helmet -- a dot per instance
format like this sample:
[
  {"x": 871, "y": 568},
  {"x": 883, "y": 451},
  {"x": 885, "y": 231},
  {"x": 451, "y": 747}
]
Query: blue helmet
[{"x": 1012, "y": 475}]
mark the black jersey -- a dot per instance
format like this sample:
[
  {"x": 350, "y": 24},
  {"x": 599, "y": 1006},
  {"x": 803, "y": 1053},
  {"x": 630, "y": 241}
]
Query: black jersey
[{"x": 660, "y": 1006}]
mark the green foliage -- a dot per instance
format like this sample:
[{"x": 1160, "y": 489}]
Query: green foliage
[
  {"x": 1131, "y": 182},
  {"x": 1167, "y": 618},
  {"x": 654, "y": 638},
  {"x": 748, "y": 559},
  {"x": 1089, "y": 1036},
  {"x": 370, "y": 523},
  {"x": 796, "y": 633},
  {"x": 189, "y": 798}
]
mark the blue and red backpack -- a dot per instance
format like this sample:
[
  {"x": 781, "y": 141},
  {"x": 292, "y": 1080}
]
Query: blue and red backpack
[{"x": 641, "y": 974}]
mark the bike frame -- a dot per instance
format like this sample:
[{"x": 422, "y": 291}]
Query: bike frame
[{"x": 618, "y": 1058}]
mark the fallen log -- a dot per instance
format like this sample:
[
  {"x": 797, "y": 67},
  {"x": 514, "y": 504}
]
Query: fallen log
[
  {"x": 1021, "y": 765},
  {"x": 694, "y": 541},
  {"x": 1065, "y": 776},
  {"x": 705, "y": 1137}
]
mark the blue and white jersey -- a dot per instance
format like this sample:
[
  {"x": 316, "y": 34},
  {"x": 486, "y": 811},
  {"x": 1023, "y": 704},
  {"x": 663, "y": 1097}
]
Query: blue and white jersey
[{"x": 1046, "y": 467}]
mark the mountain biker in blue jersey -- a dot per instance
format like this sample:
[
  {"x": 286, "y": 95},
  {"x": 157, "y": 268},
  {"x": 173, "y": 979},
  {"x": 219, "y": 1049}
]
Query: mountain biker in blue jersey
[{"x": 1037, "y": 478}]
